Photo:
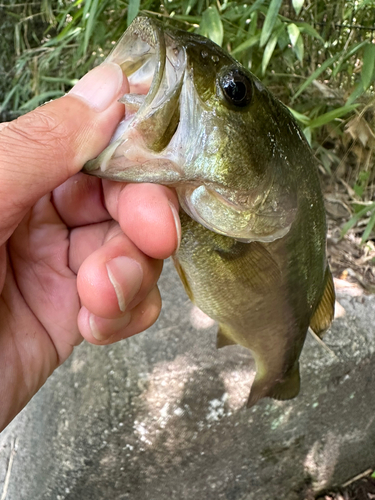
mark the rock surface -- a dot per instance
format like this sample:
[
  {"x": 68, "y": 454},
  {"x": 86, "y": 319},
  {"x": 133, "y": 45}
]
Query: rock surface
[{"x": 162, "y": 416}]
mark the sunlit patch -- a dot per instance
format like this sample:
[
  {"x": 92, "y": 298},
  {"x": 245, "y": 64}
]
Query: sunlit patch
[
  {"x": 339, "y": 310},
  {"x": 237, "y": 385},
  {"x": 216, "y": 408},
  {"x": 199, "y": 319},
  {"x": 347, "y": 288},
  {"x": 163, "y": 398},
  {"x": 321, "y": 460}
]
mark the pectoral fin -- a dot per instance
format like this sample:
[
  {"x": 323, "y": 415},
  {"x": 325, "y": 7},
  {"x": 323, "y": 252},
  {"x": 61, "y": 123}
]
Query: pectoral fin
[
  {"x": 325, "y": 311},
  {"x": 183, "y": 278}
]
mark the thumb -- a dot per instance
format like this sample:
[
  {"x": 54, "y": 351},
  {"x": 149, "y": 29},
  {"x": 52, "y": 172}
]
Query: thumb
[{"x": 42, "y": 149}]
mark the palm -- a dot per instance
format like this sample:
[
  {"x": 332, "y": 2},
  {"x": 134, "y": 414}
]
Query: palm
[{"x": 41, "y": 310}]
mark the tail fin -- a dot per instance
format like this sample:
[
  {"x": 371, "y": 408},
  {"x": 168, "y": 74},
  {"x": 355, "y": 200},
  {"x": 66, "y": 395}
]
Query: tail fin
[{"x": 287, "y": 388}]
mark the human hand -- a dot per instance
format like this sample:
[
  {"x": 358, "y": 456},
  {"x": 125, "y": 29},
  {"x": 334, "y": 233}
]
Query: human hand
[{"x": 79, "y": 257}]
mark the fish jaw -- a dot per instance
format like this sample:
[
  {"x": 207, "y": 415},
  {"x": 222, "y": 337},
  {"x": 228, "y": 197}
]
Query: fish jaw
[{"x": 173, "y": 136}]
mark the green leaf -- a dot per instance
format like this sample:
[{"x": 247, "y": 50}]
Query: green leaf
[
  {"x": 90, "y": 24},
  {"x": 306, "y": 28},
  {"x": 211, "y": 25},
  {"x": 255, "y": 6},
  {"x": 133, "y": 10},
  {"x": 299, "y": 49},
  {"x": 250, "y": 42},
  {"x": 297, "y": 5},
  {"x": 270, "y": 21},
  {"x": 300, "y": 117},
  {"x": 353, "y": 221},
  {"x": 347, "y": 54},
  {"x": 41, "y": 98},
  {"x": 268, "y": 51},
  {"x": 307, "y": 134},
  {"x": 8, "y": 97},
  {"x": 296, "y": 40},
  {"x": 314, "y": 76},
  {"x": 294, "y": 33},
  {"x": 368, "y": 65},
  {"x": 369, "y": 227},
  {"x": 331, "y": 115},
  {"x": 357, "y": 92}
]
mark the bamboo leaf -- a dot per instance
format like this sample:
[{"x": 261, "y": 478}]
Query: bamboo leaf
[
  {"x": 299, "y": 49},
  {"x": 306, "y": 28},
  {"x": 294, "y": 33},
  {"x": 297, "y": 5},
  {"x": 250, "y": 42},
  {"x": 357, "y": 92},
  {"x": 44, "y": 97},
  {"x": 345, "y": 55},
  {"x": 8, "y": 97},
  {"x": 270, "y": 21},
  {"x": 90, "y": 24},
  {"x": 296, "y": 40},
  {"x": 133, "y": 9},
  {"x": 211, "y": 25},
  {"x": 369, "y": 227},
  {"x": 300, "y": 117},
  {"x": 307, "y": 134},
  {"x": 255, "y": 6},
  {"x": 331, "y": 115},
  {"x": 353, "y": 221},
  {"x": 314, "y": 76},
  {"x": 368, "y": 65},
  {"x": 268, "y": 51}
]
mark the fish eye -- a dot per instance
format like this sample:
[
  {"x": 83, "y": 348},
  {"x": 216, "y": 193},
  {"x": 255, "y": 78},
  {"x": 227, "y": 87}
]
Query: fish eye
[{"x": 237, "y": 88}]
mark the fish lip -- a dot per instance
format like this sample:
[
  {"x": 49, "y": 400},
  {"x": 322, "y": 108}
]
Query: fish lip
[
  {"x": 142, "y": 29},
  {"x": 146, "y": 39}
]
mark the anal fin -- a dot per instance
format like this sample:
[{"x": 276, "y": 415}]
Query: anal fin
[
  {"x": 222, "y": 339},
  {"x": 325, "y": 311}
]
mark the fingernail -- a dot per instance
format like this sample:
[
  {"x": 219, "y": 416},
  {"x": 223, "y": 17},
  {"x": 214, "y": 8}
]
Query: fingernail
[
  {"x": 101, "y": 86},
  {"x": 177, "y": 223},
  {"x": 108, "y": 327},
  {"x": 126, "y": 276}
]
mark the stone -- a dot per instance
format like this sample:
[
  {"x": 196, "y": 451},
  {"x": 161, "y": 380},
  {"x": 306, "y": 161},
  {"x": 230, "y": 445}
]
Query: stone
[{"x": 162, "y": 416}]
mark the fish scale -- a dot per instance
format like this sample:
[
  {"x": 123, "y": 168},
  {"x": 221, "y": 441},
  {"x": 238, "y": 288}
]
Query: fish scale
[{"x": 252, "y": 253}]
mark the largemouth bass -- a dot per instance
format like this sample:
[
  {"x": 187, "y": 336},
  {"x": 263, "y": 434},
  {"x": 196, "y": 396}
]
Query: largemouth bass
[{"x": 252, "y": 254}]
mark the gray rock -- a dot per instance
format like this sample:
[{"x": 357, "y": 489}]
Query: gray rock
[{"x": 162, "y": 416}]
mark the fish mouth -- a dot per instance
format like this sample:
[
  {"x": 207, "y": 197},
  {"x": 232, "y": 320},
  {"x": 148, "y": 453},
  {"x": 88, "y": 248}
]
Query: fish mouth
[
  {"x": 154, "y": 64},
  {"x": 163, "y": 137}
]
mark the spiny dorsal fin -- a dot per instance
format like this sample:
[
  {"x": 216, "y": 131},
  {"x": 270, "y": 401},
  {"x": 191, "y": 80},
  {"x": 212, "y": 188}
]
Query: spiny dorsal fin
[
  {"x": 287, "y": 388},
  {"x": 325, "y": 311},
  {"x": 222, "y": 340}
]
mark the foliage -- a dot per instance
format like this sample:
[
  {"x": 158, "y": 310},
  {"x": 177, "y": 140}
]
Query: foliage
[{"x": 317, "y": 56}]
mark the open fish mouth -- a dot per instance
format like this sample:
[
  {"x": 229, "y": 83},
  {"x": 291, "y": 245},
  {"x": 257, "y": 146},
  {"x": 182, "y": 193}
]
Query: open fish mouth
[
  {"x": 155, "y": 67},
  {"x": 169, "y": 136}
]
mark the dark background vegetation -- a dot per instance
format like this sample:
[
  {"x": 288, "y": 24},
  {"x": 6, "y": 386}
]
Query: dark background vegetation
[{"x": 317, "y": 56}]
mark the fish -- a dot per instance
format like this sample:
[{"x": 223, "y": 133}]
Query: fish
[{"x": 253, "y": 245}]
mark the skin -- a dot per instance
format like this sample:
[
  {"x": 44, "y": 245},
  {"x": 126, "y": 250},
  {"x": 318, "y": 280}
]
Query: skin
[{"x": 60, "y": 232}]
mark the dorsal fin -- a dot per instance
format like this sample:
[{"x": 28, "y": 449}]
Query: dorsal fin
[{"x": 325, "y": 311}]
